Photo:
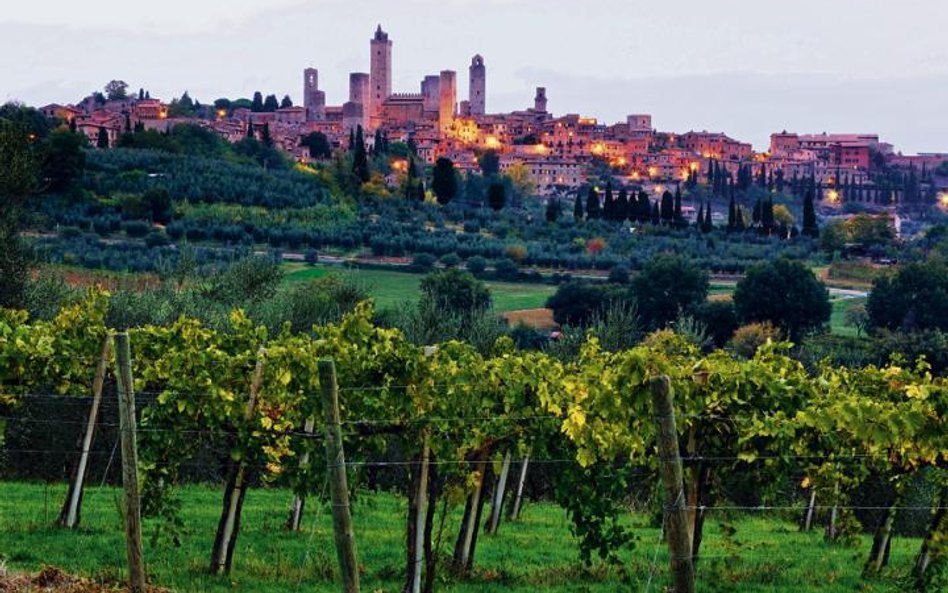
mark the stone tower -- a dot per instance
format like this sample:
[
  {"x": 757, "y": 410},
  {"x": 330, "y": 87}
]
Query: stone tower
[
  {"x": 477, "y": 99},
  {"x": 380, "y": 71},
  {"x": 448, "y": 92},
  {"x": 539, "y": 102},
  {"x": 431, "y": 94},
  {"x": 314, "y": 100},
  {"x": 360, "y": 90}
]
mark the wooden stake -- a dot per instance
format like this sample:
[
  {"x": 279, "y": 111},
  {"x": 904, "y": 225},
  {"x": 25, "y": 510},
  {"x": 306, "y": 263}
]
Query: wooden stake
[
  {"x": 810, "y": 509},
  {"x": 518, "y": 499},
  {"x": 133, "y": 525},
  {"x": 229, "y": 525},
  {"x": 498, "y": 502},
  {"x": 676, "y": 519},
  {"x": 421, "y": 516},
  {"x": 69, "y": 517},
  {"x": 296, "y": 508},
  {"x": 339, "y": 488}
]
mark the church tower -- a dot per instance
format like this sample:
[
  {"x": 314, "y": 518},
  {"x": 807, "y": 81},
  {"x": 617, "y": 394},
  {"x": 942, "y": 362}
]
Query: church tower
[
  {"x": 478, "y": 86},
  {"x": 380, "y": 72},
  {"x": 314, "y": 100}
]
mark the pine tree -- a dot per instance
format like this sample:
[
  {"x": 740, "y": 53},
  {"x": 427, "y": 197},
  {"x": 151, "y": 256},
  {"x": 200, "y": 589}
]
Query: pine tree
[
  {"x": 592, "y": 204},
  {"x": 102, "y": 140},
  {"x": 578, "y": 208},
  {"x": 809, "y": 217},
  {"x": 360, "y": 161}
]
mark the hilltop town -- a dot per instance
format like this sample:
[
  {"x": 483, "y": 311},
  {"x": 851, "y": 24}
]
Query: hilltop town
[{"x": 560, "y": 153}]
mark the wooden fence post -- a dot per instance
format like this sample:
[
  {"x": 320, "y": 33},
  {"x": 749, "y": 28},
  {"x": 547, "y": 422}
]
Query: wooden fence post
[
  {"x": 421, "y": 504},
  {"x": 339, "y": 487},
  {"x": 133, "y": 525},
  {"x": 296, "y": 508},
  {"x": 676, "y": 527},
  {"x": 69, "y": 517}
]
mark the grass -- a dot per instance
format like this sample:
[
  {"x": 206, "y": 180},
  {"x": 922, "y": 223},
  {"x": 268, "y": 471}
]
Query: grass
[
  {"x": 391, "y": 288},
  {"x": 838, "y": 323},
  {"x": 537, "y": 553}
]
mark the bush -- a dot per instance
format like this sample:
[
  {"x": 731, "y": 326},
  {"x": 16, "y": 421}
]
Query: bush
[
  {"x": 619, "y": 274},
  {"x": 157, "y": 239},
  {"x": 423, "y": 262},
  {"x": 450, "y": 260},
  {"x": 476, "y": 265},
  {"x": 506, "y": 268},
  {"x": 748, "y": 338},
  {"x": 136, "y": 228}
]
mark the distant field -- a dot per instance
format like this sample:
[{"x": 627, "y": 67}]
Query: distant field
[{"x": 390, "y": 288}]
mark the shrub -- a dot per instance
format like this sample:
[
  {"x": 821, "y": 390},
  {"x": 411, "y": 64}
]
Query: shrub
[
  {"x": 748, "y": 338},
  {"x": 423, "y": 261},
  {"x": 476, "y": 265}
]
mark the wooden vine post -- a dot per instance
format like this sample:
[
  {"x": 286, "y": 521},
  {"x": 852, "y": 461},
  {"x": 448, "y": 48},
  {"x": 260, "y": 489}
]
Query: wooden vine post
[
  {"x": 339, "y": 487},
  {"x": 518, "y": 499},
  {"x": 421, "y": 504},
  {"x": 500, "y": 488},
  {"x": 229, "y": 525},
  {"x": 133, "y": 522},
  {"x": 296, "y": 508},
  {"x": 676, "y": 516},
  {"x": 71, "y": 511}
]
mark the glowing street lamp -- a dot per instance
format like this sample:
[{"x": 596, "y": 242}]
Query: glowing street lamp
[{"x": 943, "y": 199}]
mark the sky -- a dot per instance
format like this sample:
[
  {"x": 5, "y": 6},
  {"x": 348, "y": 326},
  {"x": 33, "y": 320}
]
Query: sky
[{"x": 747, "y": 68}]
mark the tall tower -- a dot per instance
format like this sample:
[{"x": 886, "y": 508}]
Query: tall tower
[
  {"x": 314, "y": 100},
  {"x": 448, "y": 91},
  {"x": 380, "y": 71},
  {"x": 431, "y": 94},
  {"x": 539, "y": 102},
  {"x": 359, "y": 94},
  {"x": 477, "y": 97}
]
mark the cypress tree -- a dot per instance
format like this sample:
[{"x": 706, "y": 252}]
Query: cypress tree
[
  {"x": 352, "y": 141},
  {"x": 622, "y": 206},
  {"x": 250, "y": 128},
  {"x": 257, "y": 104},
  {"x": 102, "y": 140},
  {"x": 809, "y": 216},
  {"x": 265, "y": 137},
  {"x": 699, "y": 223},
  {"x": 578, "y": 208},
  {"x": 609, "y": 205},
  {"x": 286, "y": 102},
  {"x": 72, "y": 125},
  {"x": 128, "y": 123},
  {"x": 378, "y": 144},
  {"x": 767, "y": 215},
  {"x": 731, "y": 215},
  {"x": 678, "y": 217},
  {"x": 656, "y": 213},
  {"x": 552, "y": 209},
  {"x": 707, "y": 224},
  {"x": 360, "y": 161},
  {"x": 592, "y": 204},
  {"x": 668, "y": 207}
]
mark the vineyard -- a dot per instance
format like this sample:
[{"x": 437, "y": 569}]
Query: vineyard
[{"x": 654, "y": 453}]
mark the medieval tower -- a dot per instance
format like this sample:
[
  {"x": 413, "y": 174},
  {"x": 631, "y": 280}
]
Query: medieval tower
[
  {"x": 448, "y": 91},
  {"x": 380, "y": 72},
  {"x": 478, "y": 86},
  {"x": 314, "y": 100},
  {"x": 539, "y": 102}
]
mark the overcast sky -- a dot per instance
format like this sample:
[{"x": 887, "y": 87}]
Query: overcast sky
[{"x": 744, "y": 67}]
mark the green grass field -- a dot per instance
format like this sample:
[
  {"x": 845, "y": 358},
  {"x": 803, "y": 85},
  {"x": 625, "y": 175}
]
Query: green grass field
[
  {"x": 536, "y": 553},
  {"x": 391, "y": 288}
]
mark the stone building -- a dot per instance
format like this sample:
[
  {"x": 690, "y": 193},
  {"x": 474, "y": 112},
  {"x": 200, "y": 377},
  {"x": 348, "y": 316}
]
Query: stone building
[
  {"x": 380, "y": 72},
  {"x": 477, "y": 91},
  {"x": 314, "y": 100}
]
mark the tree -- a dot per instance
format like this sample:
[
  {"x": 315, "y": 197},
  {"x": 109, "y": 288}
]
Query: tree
[
  {"x": 413, "y": 189},
  {"x": 257, "y": 104},
  {"x": 553, "y": 209},
  {"x": 265, "y": 138},
  {"x": 731, "y": 215},
  {"x": 609, "y": 204},
  {"x": 622, "y": 206},
  {"x": 286, "y": 102},
  {"x": 360, "y": 160},
  {"x": 678, "y": 216},
  {"x": 592, "y": 204},
  {"x": 767, "y": 215},
  {"x": 575, "y": 303},
  {"x": 116, "y": 90},
  {"x": 17, "y": 181},
  {"x": 496, "y": 195},
  {"x": 317, "y": 144},
  {"x": 786, "y": 293},
  {"x": 707, "y": 225},
  {"x": 669, "y": 286},
  {"x": 489, "y": 162},
  {"x": 455, "y": 292},
  {"x": 578, "y": 208},
  {"x": 667, "y": 209},
  {"x": 65, "y": 159},
  {"x": 914, "y": 299},
  {"x": 444, "y": 181},
  {"x": 271, "y": 104},
  {"x": 102, "y": 140}
]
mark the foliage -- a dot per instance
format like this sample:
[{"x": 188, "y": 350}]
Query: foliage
[
  {"x": 787, "y": 294},
  {"x": 915, "y": 298},
  {"x": 668, "y": 286}
]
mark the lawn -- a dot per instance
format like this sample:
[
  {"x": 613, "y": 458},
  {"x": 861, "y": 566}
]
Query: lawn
[
  {"x": 391, "y": 288},
  {"x": 536, "y": 553}
]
